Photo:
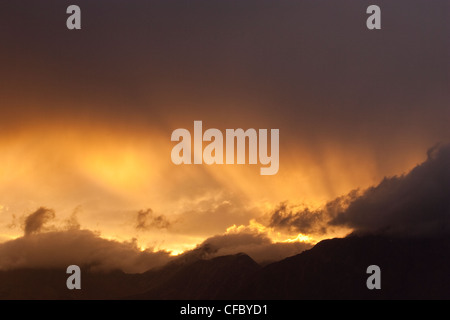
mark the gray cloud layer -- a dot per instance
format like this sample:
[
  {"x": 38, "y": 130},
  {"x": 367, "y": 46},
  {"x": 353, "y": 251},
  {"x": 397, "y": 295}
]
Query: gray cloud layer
[{"x": 275, "y": 60}]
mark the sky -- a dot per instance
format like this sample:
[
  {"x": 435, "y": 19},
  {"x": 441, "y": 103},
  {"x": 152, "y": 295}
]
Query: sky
[{"x": 87, "y": 116}]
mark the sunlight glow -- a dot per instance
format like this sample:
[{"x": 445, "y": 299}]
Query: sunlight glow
[{"x": 274, "y": 236}]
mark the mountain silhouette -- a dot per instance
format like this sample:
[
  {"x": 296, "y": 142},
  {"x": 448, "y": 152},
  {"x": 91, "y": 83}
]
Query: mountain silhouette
[
  {"x": 336, "y": 269},
  {"x": 217, "y": 278},
  {"x": 413, "y": 268}
]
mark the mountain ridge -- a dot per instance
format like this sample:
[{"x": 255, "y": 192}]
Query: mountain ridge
[{"x": 411, "y": 268}]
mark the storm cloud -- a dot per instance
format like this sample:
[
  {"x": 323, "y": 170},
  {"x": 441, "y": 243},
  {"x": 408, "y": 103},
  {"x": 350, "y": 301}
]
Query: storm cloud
[
  {"x": 412, "y": 204},
  {"x": 310, "y": 221},
  {"x": 417, "y": 203}
]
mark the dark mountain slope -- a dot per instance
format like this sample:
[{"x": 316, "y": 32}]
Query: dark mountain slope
[
  {"x": 218, "y": 278},
  {"x": 336, "y": 269}
]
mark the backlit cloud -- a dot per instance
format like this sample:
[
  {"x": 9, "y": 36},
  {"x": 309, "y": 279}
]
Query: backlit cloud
[
  {"x": 36, "y": 220},
  {"x": 416, "y": 203}
]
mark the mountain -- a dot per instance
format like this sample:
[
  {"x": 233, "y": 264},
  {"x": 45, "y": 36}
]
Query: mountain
[
  {"x": 336, "y": 269},
  {"x": 218, "y": 278},
  {"x": 413, "y": 268}
]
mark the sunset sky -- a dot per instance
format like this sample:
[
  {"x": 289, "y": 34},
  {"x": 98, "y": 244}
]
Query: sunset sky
[{"x": 87, "y": 115}]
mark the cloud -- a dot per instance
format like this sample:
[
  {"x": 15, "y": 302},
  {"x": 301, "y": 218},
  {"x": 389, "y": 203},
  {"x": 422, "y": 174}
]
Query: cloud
[
  {"x": 417, "y": 203},
  {"x": 214, "y": 213},
  {"x": 309, "y": 221},
  {"x": 72, "y": 222},
  {"x": 36, "y": 220},
  {"x": 147, "y": 220},
  {"x": 255, "y": 244},
  {"x": 61, "y": 246},
  {"x": 59, "y": 249}
]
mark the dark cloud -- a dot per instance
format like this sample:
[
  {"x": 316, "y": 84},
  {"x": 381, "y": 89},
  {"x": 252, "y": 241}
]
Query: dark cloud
[
  {"x": 36, "y": 220},
  {"x": 274, "y": 61},
  {"x": 417, "y": 203},
  {"x": 147, "y": 220},
  {"x": 59, "y": 249},
  {"x": 304, "y": 221},
  {"x": 309, "y": 221}
]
